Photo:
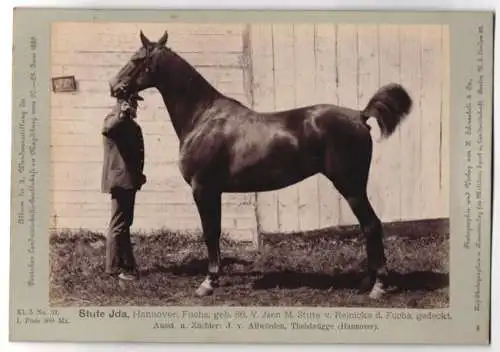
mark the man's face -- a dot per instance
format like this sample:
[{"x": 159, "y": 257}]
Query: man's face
[{"x": 129, "y": 108}]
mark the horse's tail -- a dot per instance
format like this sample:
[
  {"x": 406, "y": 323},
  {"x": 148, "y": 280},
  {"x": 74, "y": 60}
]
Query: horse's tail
[{"x": 389, "y": 105}]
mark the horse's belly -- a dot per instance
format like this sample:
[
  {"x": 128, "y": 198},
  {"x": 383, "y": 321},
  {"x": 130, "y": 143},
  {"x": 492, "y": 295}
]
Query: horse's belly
[
  {"x": 262, "y": 185},
  {"x": 270, "y": 175}
]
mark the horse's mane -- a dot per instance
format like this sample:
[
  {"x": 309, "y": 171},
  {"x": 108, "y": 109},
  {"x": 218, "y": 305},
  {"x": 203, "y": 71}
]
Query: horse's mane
[{"x": 186, "y": 74}]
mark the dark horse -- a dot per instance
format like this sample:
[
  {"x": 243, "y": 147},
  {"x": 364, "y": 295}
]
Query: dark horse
[{"x": 227, "y": 147}]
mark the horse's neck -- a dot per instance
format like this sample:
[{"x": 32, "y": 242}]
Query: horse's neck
[{"x": 185, "y": 93}]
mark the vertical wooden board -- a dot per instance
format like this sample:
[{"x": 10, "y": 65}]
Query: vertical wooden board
[
  {"x": 261, "y": 41},
  {"x": 431, "y": 116},
  {"x": 327, "y": 92},
  {"x": 304, "y": 94},
  {"x": 347, "y": 61},
  {"x": 368, "y": 83},
  {"x": 389, "y": 150},
  {"x": 410, "y": 54},
  {"x": 445, "y": 123},
  {"x": 284, "y": 83}
]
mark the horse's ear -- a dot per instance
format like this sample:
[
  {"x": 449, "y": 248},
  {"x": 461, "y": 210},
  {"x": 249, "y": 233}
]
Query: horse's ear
[
  {"x": 163, "y": 39},
  {"x": 145, "y": 41}
]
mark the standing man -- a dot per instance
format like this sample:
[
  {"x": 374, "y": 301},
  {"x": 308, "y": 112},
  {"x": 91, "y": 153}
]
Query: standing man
[{"x": 122, "y": 177}]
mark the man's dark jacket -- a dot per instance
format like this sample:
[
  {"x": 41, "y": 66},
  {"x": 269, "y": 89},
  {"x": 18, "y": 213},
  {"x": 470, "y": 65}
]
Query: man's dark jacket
[{"x": 123, "y": 153}]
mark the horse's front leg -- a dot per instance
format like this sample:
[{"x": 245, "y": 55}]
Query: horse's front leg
[{"x": 208, "y": 203}]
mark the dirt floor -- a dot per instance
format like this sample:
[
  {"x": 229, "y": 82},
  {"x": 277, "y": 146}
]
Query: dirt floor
[{"x": 323, "y": 268}]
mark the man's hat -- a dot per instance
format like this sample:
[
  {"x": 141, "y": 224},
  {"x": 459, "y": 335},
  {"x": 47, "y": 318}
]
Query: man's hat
[
  {"x": 136, "y": 96},
  {"x": 131, "y": 99}
]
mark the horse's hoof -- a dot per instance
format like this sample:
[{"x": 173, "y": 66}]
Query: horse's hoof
[
  {"x": 377, "y": 291},
  {"x": 204, "y": 290},
  {"x": 366, "y": 285}
]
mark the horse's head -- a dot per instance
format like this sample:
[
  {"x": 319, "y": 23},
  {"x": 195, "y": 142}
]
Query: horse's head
[{"x": 140, "y": 72}]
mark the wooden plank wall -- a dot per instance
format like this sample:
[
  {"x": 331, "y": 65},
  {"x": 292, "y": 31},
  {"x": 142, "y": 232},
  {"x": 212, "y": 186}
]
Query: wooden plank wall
[
  {"x": 270, "y": 67},
  {"x": 301, "y": 64},
  {"x": 94, "y": 52}
]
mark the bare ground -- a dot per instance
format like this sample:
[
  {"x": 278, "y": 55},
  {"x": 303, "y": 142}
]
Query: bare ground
[{"x": 323, "y": 268}]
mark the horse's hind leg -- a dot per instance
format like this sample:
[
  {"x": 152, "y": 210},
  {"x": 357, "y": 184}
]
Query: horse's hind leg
[
  {"x": 372, "y": 230},
  {"x": 208, "y": 203},
  {"x": 350, "y": 177}
]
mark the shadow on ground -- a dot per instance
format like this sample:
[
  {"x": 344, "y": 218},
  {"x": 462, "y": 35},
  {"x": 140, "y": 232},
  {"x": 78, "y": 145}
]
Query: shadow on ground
[
  {"x": 426, "y": 281},
  {"x": 418, "y": 280}
]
